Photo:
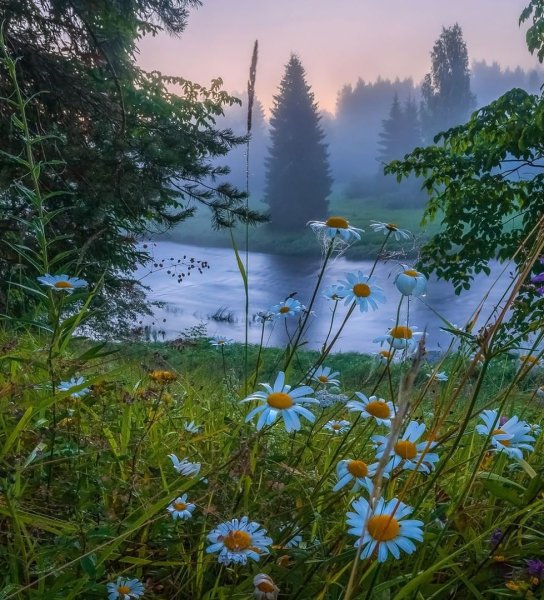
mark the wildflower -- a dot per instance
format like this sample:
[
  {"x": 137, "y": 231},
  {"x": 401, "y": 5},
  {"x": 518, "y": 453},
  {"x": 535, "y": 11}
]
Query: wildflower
[
  {"x": 411, "y": 283},
  {"x": 337, "y": 427},
  {"x": 238, "y": 540},
  {"x": 357, "y": 471},
  {"x": 535, "y": 568},
  {"x": 529, "y": 361},
  {"x": 384, "y": 356},
  {"x": 496, "y": 538},
  {"x": 535, "y": 429},
  {"x": 124, "y": 589},
  {"x": 294, "y": 542},
  {"x": 66, "y": 386},
  {"x": 327, "y": 399},
  {"x": 540, "y": 391},
  {"x": 400, "y": 337},
  {"x": 442, "y": 376},
  {"x": 406, "y": 453},
  {"x": 184, "y": 467},
  {"x": 192, "y": 427},
  {"x": 356, "y": 288},
  {"x": 162, "y": 377},
  {"x": 62, "y": 283},
  {"x": 373, "y": 407},
  {"x": 221, "y": 340},
  {"x": 336, "y": 227},
  {"x": 279, "y": 399},
  {"x": 511, "y": 437},
  {"x": 288, "y": 308},
  {"x": 181, "y": 509},
  {"x": 390, "y": 229},
  {"x": 265, "y": 588},
  {"x": 384, "y": 529},
  {"x": 325, "y": 376},
  {"x": 331, "y": 293}
]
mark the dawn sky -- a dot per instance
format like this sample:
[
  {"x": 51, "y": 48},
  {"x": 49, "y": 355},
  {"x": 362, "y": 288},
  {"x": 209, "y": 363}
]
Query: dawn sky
[{"x": 337, "y": 41}]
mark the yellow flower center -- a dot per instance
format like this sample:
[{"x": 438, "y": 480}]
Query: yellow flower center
[
  {"x": 378, "y": 409},
  {"x": 123, "y": 589},
  {"x": 406, "y": 449},
  {"x": 284, "y": 309},
  {"x": 501, "y": 432},
  {"x": 401, "y": 332},
  {"x": 392, "y": 226},
  {"x": 237, "y": 540},
  {"x": 336, "y": 426},
  {"x": 533, "y": 360},
  {"x": 266, "y": 587},
  {"x": 361, "y": 290},
  {"x": 163, "y": 376},
  {"x": 323, "y": 378},
  {"x": 279, "y": 400},
  {"x": 358, "y": 468},
  {"x": 338, "y": 222},
  {"x": 385, "y": 353},
  {"x": 411, "y": 273},
  {"x": 180, "y": 505},
  {"x": 63, "y": 285},
  {"x": 383, "y": 527}
]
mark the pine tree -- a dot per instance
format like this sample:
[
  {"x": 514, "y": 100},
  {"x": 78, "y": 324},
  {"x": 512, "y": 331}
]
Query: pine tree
[
  {"x": 400, "y": 131},
  {"x": 447, "y": 98},
  {"x": 298, "y": 180}
]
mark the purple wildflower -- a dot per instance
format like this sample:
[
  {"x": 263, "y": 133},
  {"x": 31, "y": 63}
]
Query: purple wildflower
[
  {"x": 503, "y": 420},
  {"x": 496, "y": 538},
  {"x": 538, "y": 278},
  {"x": 535, "y": 568}
]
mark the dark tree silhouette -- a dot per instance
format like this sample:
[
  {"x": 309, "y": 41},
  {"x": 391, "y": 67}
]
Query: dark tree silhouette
[
  {"x": 297, "y": 171},
  {"x": 400, "y": 131},
  {"x": 447, "y": 98}
]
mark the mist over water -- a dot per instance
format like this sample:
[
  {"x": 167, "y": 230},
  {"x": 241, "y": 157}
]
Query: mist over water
[{"x": 274, "y": 277}]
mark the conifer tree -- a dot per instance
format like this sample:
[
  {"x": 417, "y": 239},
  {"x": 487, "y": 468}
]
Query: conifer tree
[
  {"x": 298, "y": 180},
  {"x": 447, "y": 98},
  {"x": 400, "y": 131}
]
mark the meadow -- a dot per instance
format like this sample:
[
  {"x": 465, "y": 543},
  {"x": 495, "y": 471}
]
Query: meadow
[{"x": 207, "y": 469}]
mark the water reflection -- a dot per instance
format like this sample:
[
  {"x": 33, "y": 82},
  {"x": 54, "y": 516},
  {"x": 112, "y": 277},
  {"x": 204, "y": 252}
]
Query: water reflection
[{"x": 274, "y": 277}]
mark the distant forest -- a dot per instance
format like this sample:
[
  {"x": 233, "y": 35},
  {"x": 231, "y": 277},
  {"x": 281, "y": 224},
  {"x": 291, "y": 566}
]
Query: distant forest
[{"x": 356, "y": 130}]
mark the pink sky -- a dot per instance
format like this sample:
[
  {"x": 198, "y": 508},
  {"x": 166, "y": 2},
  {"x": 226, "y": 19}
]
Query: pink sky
[{"x": 338, "y": 41}]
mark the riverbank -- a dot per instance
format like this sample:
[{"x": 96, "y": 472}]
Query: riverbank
[{"x": 359, "y": 211}]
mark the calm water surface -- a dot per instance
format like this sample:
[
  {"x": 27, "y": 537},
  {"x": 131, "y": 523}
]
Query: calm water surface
[{"x": 273, "y": 277}]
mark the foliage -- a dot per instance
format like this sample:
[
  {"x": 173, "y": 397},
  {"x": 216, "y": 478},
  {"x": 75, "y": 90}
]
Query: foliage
[
  {"x": 486, "y": 183},
  {"x": 446, "y": 96},
  {"x": 121, "y": 152},
  {"x": 298, "y": 179}
]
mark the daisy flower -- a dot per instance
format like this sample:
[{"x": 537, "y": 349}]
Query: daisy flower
[
  {"x": 384, "y": 529},
  {"x": 162, "y": 377},
  {"x": 384, "y": 356},
  {"x": 391, "y": 229},
  {"x": 181, "y": 509},
  {"x": 184, "y": 467},
  {"x": 356, "y": 471},
  {"x": 62, "y": 283},
  {"x": 278, "y": 400},
  {"x": 411, "y": 282},
  {"x": 325, "y": 376},
  {"x": 511, "y": 436},
  {"x": 336, "y": 227},
  {"x": 407, "y": 453},
  {"x": 288, "y": 308},
  {"x": 442, "y": 376},
  {"x": 356, "y": 288},
  {"x": 400, "y": 337},
  {"x": 265, "y": 588},
  {"x": 373, "y": 407},
  {"x": 331, "y": 293},
  {"x": 192, "y": 427},
  {"x": 221, "y": 340},
  {"x": 337, "y": 427},
  {"x": 237, "y": 541},
  {"x": 125, "y": 589},
  {"x": 66, "y": 386}
]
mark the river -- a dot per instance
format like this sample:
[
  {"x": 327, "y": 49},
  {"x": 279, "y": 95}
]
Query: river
[{"x": 273, "y": 277}]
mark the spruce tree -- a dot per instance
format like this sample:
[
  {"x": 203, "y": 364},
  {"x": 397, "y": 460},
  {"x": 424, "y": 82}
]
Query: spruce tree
[
  {"x": 400, "y": 131},
  {"x": 298, "y": 180},
  {"x": 447, "y": 98}
]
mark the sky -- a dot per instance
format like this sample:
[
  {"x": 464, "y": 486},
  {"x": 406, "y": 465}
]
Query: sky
[{"x": 338, "y": 41}]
